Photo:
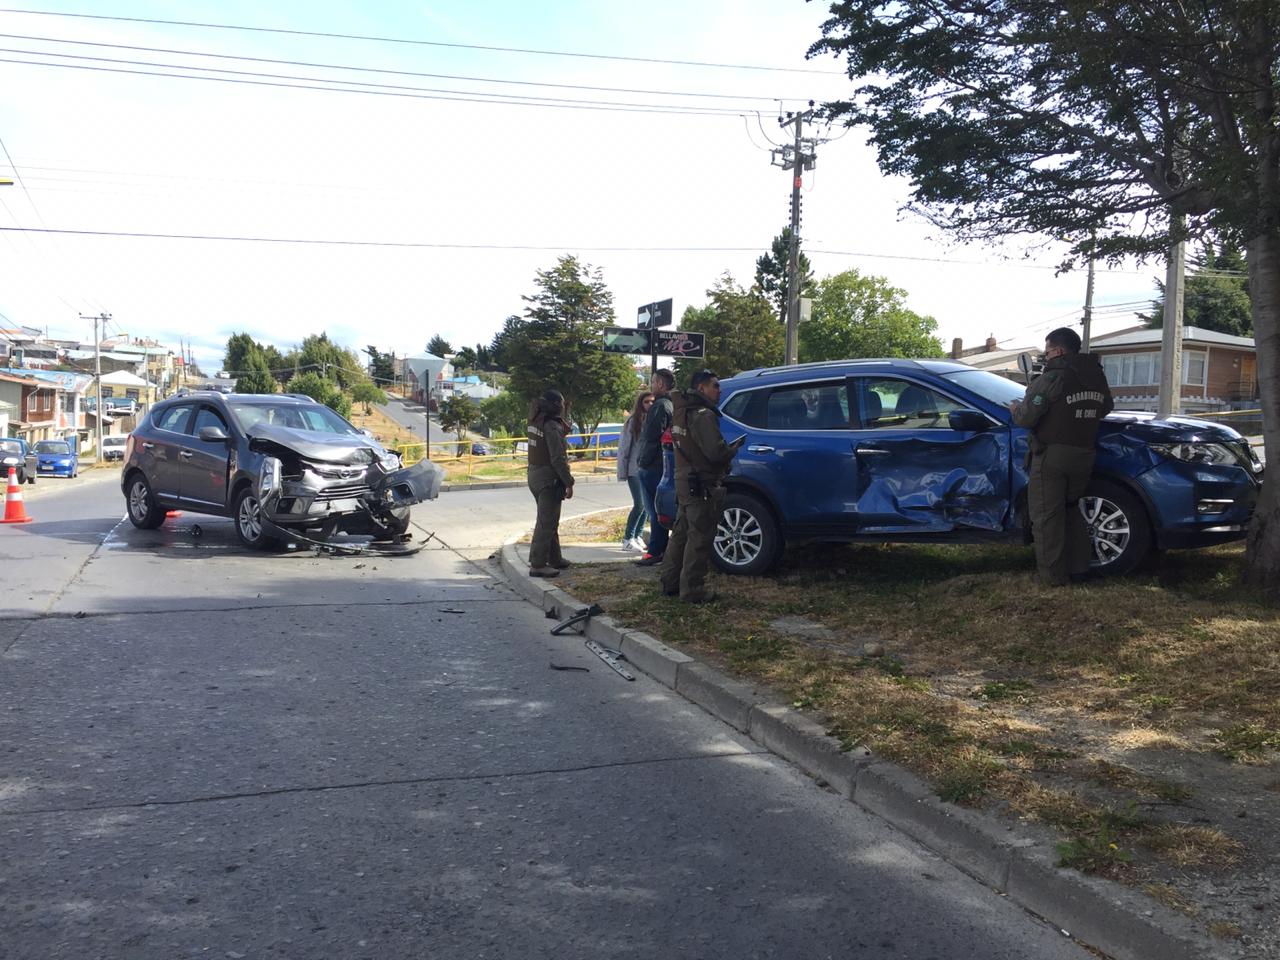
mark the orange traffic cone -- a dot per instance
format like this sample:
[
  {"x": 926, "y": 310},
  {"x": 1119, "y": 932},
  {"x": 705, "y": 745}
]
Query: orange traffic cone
[{"x": 13, "y": 509}]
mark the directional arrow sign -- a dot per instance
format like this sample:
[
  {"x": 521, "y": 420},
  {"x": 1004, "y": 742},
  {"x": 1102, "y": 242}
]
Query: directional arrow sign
[
  {"x": 653, "y": 315},
  {"x": 681, "y": 343},
  {"x": 625, "y": 340}
]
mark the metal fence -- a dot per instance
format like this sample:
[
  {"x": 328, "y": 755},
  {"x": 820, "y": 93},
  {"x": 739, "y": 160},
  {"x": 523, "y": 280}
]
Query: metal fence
[
  {"x": 589, "y": 448},
  {"x": 1247, "y": 422}
]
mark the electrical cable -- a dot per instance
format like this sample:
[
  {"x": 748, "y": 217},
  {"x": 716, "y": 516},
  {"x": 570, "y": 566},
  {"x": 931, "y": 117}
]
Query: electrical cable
[
  {"x": 424, "y": 43},
  {"x": 604, "y": 106},
  {"x": 747, "y": 126},
  {"x": 385, "y": 71}
]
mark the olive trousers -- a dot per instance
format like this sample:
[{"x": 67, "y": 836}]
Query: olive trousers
[
  {"x": 544, "y": 551},
  {"x": 688, "y": 554},
  {"x": 1057, "y": 481}
]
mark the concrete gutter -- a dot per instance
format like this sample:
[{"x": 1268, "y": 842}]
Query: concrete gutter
[{"x": 1015, "y": 859}]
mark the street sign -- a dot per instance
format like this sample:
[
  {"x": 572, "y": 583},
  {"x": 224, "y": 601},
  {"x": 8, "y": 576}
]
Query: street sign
[
  {"x": 681, "y": 343},
  {"x": 625, "y": 340},
  {"x": 654, "y": 315}
]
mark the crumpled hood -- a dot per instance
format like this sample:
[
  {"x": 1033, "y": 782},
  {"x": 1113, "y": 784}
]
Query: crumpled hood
[
  {"x": 329, "y": 447},
  {"x": 1150, "y": 428}
]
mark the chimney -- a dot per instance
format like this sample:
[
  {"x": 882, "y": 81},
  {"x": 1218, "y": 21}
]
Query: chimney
[
  {"x": 957, "y": 348},
  {"x": 992, "y": 346}
]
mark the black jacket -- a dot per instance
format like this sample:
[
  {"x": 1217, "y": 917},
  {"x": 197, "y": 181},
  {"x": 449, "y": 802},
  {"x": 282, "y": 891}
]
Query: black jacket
[{"x": 655, "y": 425}]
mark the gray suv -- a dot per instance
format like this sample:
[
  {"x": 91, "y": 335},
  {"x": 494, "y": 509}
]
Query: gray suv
[{"x": 277, "y": 464}]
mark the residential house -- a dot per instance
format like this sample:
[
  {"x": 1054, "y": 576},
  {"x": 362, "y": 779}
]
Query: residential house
[
  {"x": 13, "y": 387},
  {"x": 26, "y": 347},
  {"x": 125, "y": 384},
  {"x": 472, "y": 387},
  {"x": 1219, "y": 371},
  {"x": 426, "y": 376},
  {"x": 37, "y": 406},
  {"x": 991, "y": 358}
]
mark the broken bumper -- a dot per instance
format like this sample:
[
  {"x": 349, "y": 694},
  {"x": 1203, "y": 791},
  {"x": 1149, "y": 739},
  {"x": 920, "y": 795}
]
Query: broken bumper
[{"x": 312, "y": 500}]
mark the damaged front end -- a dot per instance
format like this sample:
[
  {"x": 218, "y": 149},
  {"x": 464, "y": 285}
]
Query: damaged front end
[{"x": 337, "y": 485}]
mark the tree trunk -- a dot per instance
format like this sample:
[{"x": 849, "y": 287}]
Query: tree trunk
[{"x": 1262, "y": 556}]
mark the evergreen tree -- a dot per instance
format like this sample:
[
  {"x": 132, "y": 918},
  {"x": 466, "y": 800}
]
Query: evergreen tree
[
  {"x": 771, "y": 272},
  {"x": 438, "y": 346},
  {"x": 1215, "y": 294},
  {"x": 257, "y": 378}
]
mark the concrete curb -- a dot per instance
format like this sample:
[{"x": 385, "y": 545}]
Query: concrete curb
[{"x": 1013, "y": 859}]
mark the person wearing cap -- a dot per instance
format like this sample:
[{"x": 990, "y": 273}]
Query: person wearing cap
[
  {"x": 1062, "y": 408},
  {"x": 550, "y": 481},
  {"x": 702, "y": 461}
]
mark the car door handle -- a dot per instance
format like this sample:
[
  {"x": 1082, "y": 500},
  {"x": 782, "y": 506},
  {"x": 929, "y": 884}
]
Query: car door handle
[
  {"x": 759, "y": 448},
  {"x": 147, "y": 446},
  {"x": 870, "y": 452},
  {"x": 186, "y": 455}
]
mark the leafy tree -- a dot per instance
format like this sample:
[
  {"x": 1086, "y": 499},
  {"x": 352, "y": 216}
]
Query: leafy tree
[
  {"x": 1116, "y": 128},
  {"x": 1215, "y": 296},
  {"x": 507, "y": 411},
  {"x": 257, "y": 378},
  {"x": 558, "y": 344},
  {"x": 457, "y": 414},
  {"x": 484, "y": 357},
  {"x": 335, "y": 363},
  {"x": 438, "y": 346},
  {"x": 464, "y": 359},
  {"x": 742, "y": 332},
  {"x": 500, "y": 348},
  {"x": 340, "y": 402},
  {"x": 863, "y": 316},
  {"x": 312, "y": 385},
  {"x": 771, "y": 272},
  {"x": 381, "y": 367},
  {"x": 236, "y": 358},
  {"x": 368, "y": 393}
]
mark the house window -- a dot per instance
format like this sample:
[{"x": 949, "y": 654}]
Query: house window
[
  {"x": 106, "y": 392},
  {"x": 131, "y": 394},
  {"x": 1143, "y": 369}
]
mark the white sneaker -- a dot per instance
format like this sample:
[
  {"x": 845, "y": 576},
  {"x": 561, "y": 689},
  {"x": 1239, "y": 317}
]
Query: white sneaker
[
  {"x": 637, "y": 543},
  {"x": 627, "y": 545}
]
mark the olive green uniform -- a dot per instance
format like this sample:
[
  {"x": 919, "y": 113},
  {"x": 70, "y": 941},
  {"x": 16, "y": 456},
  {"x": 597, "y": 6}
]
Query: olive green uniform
[
  {"x": 702, "y": 460},
  {"x": 1063, "y": 408},
  {"x": 549, "y": 479}
]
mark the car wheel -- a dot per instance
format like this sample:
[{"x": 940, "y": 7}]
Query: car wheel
[
  {"x": 250, "y": 524},
  {"x": 747, "y": 538},
  {"x": 1118, "y": 527},
  {"x": 144, "y": 512},
  {"x": 393, "y": 526}
]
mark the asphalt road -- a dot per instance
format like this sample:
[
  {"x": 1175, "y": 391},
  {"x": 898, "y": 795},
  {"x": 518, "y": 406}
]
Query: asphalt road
[{"x": 210, "y": 753}]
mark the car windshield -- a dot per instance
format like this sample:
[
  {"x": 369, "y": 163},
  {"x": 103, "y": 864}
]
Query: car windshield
[
  {"x": 53, "y": 446},
  {"x": 313, "y": 416},
  {"x": 988, "y": 386},
  {"x": 10, "y": 446},
  {"x": 113, "y": 441}
]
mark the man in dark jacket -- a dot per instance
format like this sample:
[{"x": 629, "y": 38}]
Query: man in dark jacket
[
  {"x": 702, "y": 460},
  {"x": 650, "y": 463},
  {"x": 1063, "y": 408},
  {"x": 550, "y": 482}
]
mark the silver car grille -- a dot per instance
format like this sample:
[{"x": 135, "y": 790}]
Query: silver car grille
[{"x": 342, "y": 491}]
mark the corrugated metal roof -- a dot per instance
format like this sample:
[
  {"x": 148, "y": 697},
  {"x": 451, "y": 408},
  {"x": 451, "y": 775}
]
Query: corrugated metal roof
[{"x": 1154, "y": 335}]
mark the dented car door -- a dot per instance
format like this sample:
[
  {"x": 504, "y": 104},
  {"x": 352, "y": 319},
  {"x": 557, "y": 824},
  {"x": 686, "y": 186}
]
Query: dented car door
[{"x": 915, "y": 473}]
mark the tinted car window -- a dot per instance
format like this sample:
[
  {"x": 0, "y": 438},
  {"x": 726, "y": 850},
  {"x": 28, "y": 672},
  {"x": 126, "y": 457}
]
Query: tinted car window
[
  {"x": 311, "y": 416},
  {"x": 52, "y": 446},
  {"x": 749, "y": 407},
  {"x": 809, "y": 406},
  {"x": 208, "y": 417},
  {"x": 893, "y": 404},
  {"x": 173, "y": 418}
]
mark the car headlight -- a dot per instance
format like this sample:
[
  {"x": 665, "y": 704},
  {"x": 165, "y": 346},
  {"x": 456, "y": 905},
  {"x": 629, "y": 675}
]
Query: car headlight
[
  {"x": 271, "y": 479},
  {"x": 1201, "y": 453}
]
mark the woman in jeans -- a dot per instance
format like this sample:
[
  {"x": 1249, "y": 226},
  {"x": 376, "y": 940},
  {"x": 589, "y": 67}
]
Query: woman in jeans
[{"x": 629, "y": 470}]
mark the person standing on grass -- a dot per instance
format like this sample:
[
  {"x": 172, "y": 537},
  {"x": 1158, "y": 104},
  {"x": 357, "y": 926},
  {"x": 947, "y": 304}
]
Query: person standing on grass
[
  {"x": 550, "y": 481},
  {"x": 629, "y": 470},
  {"x": 702, "y": 461},
  {"x": 1062, "y": 408},
  {"x": 655, "y": 425}
]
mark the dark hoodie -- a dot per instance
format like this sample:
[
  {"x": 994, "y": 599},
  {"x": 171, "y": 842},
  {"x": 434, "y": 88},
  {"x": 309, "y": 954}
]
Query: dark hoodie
[{"x": 1067, "y": 402}]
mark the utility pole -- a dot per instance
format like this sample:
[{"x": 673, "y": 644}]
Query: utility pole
[
  {"x": 1088, "y": 310},
  {"x": 97, "y": 377},
  {"x": 1171, "y": 344},
  {"x": 796, "y": 158}
]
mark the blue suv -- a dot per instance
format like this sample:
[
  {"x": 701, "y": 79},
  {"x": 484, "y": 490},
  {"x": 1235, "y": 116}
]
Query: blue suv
[{"x": 924, "y": 451}]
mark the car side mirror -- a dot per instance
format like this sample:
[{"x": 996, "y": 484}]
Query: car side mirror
[
  {"x": 968, "y": 421},
  {"x": 1025, "y": 363},
  {"x": 213, "y": 435}
]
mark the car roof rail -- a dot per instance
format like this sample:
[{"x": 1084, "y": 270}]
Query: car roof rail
[
  {"x": 826, "y": 364},
  {"x": 300, "y": 396}
]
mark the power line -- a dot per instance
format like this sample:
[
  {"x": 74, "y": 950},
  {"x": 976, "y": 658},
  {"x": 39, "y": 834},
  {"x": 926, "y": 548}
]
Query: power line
[
  {"x": 507, "y": 99},
  {"x": 384, "y": 71},
  {"x": 425, "y": 43}
]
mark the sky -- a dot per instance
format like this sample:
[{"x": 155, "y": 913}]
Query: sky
[{"x": 437, "y": 206}]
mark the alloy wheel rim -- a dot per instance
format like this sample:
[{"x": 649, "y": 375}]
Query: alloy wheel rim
[
  {"x": 1108, "y": 527},
  {"x": 739, "y": 538},
  {"x": 250, "y": 518},
  {"x": 138, "y": 500}
]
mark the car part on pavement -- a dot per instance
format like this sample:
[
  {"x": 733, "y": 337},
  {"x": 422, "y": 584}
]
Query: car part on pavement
[
  {"x": 611, "y": 657},
  {"x": 578, "y": 617}
]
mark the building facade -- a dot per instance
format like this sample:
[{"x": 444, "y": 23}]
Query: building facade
[{"x": 1219, "y": 371}]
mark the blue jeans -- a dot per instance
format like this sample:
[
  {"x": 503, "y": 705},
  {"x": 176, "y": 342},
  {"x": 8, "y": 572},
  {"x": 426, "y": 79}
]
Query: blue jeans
[
  {"x": 658, "y": 535},
  {"x": 635, "y": 519}
]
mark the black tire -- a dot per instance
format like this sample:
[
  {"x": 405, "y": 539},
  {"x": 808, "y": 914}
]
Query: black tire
[
  {"x": 392, "y": 526},
  {"x": 1119, "y": 527},
  {"x": 748, "y": 540},
  {"x": 246, "y": 514},
  {"x": 140, "y": 503}
]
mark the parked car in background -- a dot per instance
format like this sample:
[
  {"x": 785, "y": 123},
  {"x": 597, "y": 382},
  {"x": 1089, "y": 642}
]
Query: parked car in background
[
  {"x": 55, "y": 458},
  {"x": 14, "y": 453},
  {"x": 915, "y": 451},
  {"x": 113, "y": 447},
  {"x": 605, "y": 439},
  {"x": 277, "y": 464}
]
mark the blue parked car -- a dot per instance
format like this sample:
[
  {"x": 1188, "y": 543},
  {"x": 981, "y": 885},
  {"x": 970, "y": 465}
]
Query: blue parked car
[
  {"x": 918, "y": 451},
  {"x": 55, "y": 458}
]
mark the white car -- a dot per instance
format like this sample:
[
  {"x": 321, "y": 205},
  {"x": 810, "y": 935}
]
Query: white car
[{"x": 113, "y": 447}]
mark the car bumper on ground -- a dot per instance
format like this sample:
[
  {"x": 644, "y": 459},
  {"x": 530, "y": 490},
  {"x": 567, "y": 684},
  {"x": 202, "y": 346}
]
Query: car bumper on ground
[{"x": 312, "y": 500}]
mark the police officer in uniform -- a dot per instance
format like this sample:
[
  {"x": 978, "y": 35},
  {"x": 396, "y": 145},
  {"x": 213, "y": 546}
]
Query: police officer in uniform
[
  {"x": 1063, "y": 408},
  {"x": 550, "y": 482},
  {"x": 702, "y": 460}
]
